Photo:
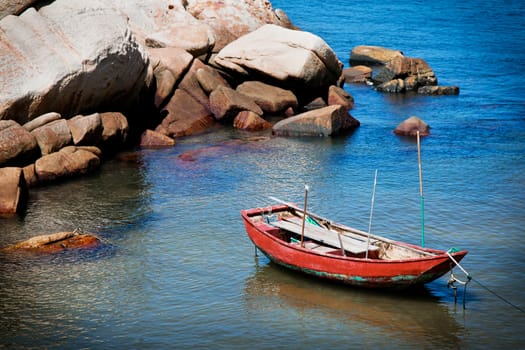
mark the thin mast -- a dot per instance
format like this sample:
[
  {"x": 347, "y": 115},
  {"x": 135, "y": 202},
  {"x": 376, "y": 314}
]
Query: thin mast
[{"x": 422, "y": 198}]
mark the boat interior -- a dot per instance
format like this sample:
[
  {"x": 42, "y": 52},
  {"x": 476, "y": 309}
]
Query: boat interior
[{"x": 324, "y": 237}]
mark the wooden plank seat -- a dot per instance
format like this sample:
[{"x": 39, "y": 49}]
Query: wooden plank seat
[
  {"x": 317, "y": 247},
  {"x": 324, "y": 236}
]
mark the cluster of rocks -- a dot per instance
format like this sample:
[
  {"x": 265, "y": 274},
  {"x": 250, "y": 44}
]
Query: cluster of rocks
[
  {"x": 163, "y": 71},
  {"x": 396, "y": 72}
]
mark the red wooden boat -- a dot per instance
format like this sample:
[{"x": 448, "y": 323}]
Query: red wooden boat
[{"x": 320, "y": 247}]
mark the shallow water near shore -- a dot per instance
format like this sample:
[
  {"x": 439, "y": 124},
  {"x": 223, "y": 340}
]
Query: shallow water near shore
[{"x": 178, "y": 271}]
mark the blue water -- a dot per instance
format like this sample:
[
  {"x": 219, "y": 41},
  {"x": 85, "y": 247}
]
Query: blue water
[{"x": 177, "y": 270}]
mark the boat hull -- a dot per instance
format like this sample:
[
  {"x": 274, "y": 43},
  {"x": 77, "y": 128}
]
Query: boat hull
[{"x": 369, "y": 273}]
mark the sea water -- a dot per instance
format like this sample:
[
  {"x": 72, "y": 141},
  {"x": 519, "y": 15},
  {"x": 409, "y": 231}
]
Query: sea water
[{"x": 178, "y": 271}]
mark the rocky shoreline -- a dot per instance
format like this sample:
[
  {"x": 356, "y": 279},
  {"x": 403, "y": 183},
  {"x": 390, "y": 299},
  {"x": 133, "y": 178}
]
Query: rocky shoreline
[{"x": 81, "y": 81}]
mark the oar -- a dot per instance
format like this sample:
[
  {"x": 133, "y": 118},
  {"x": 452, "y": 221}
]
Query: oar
[
  {"x": 422, "y": 198},
  {"x": 371, "y": 214},
  {"x": 304, "y": 213}
]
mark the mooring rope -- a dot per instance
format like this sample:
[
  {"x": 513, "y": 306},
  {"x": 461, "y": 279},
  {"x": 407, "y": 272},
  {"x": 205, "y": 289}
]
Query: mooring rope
[{"x": 469, "y": 278}]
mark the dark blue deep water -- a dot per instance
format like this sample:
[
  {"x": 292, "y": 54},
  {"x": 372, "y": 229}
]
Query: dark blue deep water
[{"x": 178, "y": 271}]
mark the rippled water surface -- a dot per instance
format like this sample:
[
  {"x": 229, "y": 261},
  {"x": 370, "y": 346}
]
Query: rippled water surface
[{"x": 178, "y": 271}]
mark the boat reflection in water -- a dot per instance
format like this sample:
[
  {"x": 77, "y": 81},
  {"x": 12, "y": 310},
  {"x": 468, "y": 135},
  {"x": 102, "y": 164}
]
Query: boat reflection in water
[{"x": 413, "y": 316}]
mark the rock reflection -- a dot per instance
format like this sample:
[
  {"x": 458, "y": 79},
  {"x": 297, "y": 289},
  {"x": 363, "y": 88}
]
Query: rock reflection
[{"x": 116, "y": 198}]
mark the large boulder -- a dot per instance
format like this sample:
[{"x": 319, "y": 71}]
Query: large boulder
[
  {"x": 210, "y": 79},
  {"x": 293, "y": 59},
  {"x": 372, "y": 55},
  {"x": 190, "y": 83},
  {"x": 70, "y": 161},
  {"x": 197, "y": 39},
  {"x": 185, "y": 116},
  {"x": 14, "y": 7},
  {"x": 13, "y": 191},
  {"x": 188, "y": 110},
  {"x": 169, "y": 66},
  {"x": 338, "y": 96},
  {"x": 115, "y": 130},
  {"x": 17, "y": 145},
  {"x": 86, "y": 129},
  {"x": 70, "y": 56},
  {"x": 42, "y": 120},
  {"x": 327, "y": 121},
  {"x": 226, "y": 103},
  {"x": 52, "y": 136},
  {"x": 271, "y": 99},
  {"x": 357, "y": 74},
  {"x": 234, "y": 18}
]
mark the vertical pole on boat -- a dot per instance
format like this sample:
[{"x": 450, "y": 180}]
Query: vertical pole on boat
[
  {"x": 371, "y": 214},
  {"x": 422, "y": 198},
  {"x": 304, "y": 213}
]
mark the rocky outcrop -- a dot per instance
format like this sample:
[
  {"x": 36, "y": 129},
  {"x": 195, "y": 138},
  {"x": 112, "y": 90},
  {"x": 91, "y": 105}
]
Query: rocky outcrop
[
  {"x": 292, "y": 59},
  {"x": 68, "y": 63},
  {"x": 372, "y": 55},
  {"x": 327, "y": 121},
  {"x": 53, "y": 60},
  {"x": 13, "y": 191},
  {"x": 397, "y": 73},
  {"x": 410, "y": 127},
  {"x": 414, "y": 72}
]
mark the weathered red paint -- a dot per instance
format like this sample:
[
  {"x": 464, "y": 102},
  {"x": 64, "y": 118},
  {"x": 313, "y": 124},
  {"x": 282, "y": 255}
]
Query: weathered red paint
[{"x": 370, "y": 273}]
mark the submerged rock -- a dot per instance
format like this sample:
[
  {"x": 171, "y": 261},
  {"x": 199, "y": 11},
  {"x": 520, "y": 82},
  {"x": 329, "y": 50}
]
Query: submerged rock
[
  {"x": 438, "y": 90},
  {"x": 56, "y": 242}
]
